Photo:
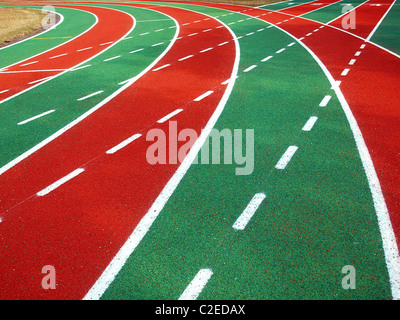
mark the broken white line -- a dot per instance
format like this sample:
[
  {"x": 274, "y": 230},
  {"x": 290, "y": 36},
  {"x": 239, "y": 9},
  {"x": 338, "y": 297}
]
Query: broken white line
[
  {"x": 90, "y": 95},
  {"x": 325, "y": 101},
  {"x": 170, "y": 115},
  {"x": 203, "y": 96},
  {"x": 35, "y": 117},
  {"x": 196, "y": 285},
  {"x": 124, "y": 143},
  {"x": 58, "y": 183},
  {"x": 249, "y": 211},
  {"x": 310, "y": 123},
  {"x": 287, "y": 156}
]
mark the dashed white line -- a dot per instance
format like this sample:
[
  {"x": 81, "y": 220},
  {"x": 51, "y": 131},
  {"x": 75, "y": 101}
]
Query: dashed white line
[
  {"x": 250, "y": 68},
  {"x": 184, "y": 58},
  {"x": 123, "y": 143},
  {"x": 310, "y": 123},
  {"x": 169, "y": 116},
  {"x": 291, "y": 44},
  {"x": 4, "y": 91},
  {"x": 345, "y": 72},
  {"x": 196, "y": 285},
  {"x": 157, "y": 44},
  {"x": 362, "y": 46},
  {"x": 90, "y": 95},
  {"x": 162, "y": 67},
  {"x": 266, "y": 58},
  {"x": 144, "y": 33},
  {"x": 60, "y": 182},
  {"x": 112, "y": 58},
  {"x": 137, "y": 50},
  {"x": 40, "y": 80},
  {"x": 223, "y": 43},
  {"x": 249, "y": 211},
  {"x": 308, "y": 34},
  {"x": 204, "y": 95},
  {"x": 205, "y": 50},
  {"x": 352, "y": 61},
  {"x": 84, "y": 49},
  {"x": 281, "y": 50},
  {"x": 325, "y": 101},
  {"x": 249, "y": 34},
  {"x": 60, "y": 55},
  {"x": 29, "y": 63},
  {"x": 357, "y": 53},
  {"x": 192, "y": 34},
  {"x": 105, "y": 43},
  {"x": 206, "y": 30},
  {"x": 35, "y": 117},
  {"x": 82, "y": 67},
  {"x": 285, "y": 159}
]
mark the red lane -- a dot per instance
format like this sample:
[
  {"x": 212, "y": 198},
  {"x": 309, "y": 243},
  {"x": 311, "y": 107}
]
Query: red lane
[
  {"x": 307, "y": 7},
  {"x": 112, "y": 25},
  {"x": 79, "y": 227},
  {"x": 370, "y": 89},
  {"x": 367, "y": 16}
]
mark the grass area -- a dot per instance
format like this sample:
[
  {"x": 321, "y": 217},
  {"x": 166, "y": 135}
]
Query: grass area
[{"x": 18, "y": 22}]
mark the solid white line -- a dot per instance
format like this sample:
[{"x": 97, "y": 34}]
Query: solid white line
[
  {"x": 36, "y": 81},
  {"x": 109, "y": 59},
  {"x": 310, "y": 123},
  {"x": 60, "y": 182},
  {"x": 286, "y": 157},
  {"x": 325, "y": 101},
  {"x": 35, "y": 117},
  {"x": 345, "y": 72},
  {"x": 267, "y": 58},
  {"x": 199, "y": 98},
  {"x": 249, "y": 211},
  {"x": 151, "y": 215},
  {"x": 162, "y": 67},
  {"x": 29, "y": 63},
  {"x": 169, "y": 116},
  {"x": 250, "y": 68},
  {"x": 196, "y": 285},
  {"x": 90, "y": 95},
  {"x": 123, "y": 143},
  {"x": 137, "y": 50},
  {"x": 184, "y": 58},
  {"x": 60, "y": 55}
]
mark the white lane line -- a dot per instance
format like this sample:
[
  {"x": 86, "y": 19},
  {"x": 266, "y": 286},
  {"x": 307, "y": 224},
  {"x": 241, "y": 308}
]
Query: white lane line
[
  {"x": 352, "y": 61},
  {"x": 249, "y": 211},
  {"x": 90, "y": 95},
  {"x": 357, "y": 53},
  {"x": 158, "y": 30},
  {"x": 308, "y": 34},
  {"x": 35, "y": 117},
  {"x": 59, "y": 55},
  {"x": 169, "y": 116},
  {"x": 310, "y": 123},
  {"x": 162, "y": 67},
  {"x": 281, "y": 50},
  {"x": 345, "y": 72},
  {"x": 144, "y": 33},
  {"x": 206, "y": 30},
  {"x": 223, "y": 43},
  {"x": 109, "y": 59},
  {"x": 206, "y": 94},
  {"x": 4, "y": 91},
  {"x": 29, "y": 63},
  {"x": 196, "y": 285},
  {"x": 325, "y": 101},
  {"x": 184, "y": 58},
  {"x": 105, "y": 43},
  {"x": 266, "y": 59},
  {"x": 205, "y": 50},
  {"x": 249, "y": 34},
  {"x": 250, "y": 68},
  {"x": 36, "y": 81},
  {"x": 84, "y": 49},
  {"x": 60, "y": 182},
  {"x": 192, "y": 34},
  {"x": 287, "y": 156},
  {"x": 362, "y": 46},
  {"x": 157, "y": 44},
  {"x": 82, "y": 67},
  {"x": 137, "y": 50},
  {"x": 126, "y": 38},
  {"x": 123, "y": 144},
  {"x": 291, "y": 44}
]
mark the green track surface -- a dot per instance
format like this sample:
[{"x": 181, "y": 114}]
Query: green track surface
[
  {"x": 284, "y": 5},
  {"x": 318, "y": 214},
  {"x": 75, "y": 22},
  {"x": 331, "y": 12},
  {"x": 62, "y": 92},
  {"x": 388, "y": 33}
]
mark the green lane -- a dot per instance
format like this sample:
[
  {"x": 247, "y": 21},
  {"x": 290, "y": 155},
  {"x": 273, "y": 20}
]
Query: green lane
[
  {"x": 62, "y": 92},
  {"x": 388, "y": 33},
  {"x": 331, "y": 12},
  {"x": 284, "y": 4},
  {"x": 318, "y": 214},
  {"x": 75, "y": 22}
]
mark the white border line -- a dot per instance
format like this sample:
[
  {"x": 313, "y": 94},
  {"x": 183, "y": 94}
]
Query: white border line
[{"x": 145, "y": 223}]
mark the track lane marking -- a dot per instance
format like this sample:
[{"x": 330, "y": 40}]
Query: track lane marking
[
  {"x": 169, "y": 116},
  {"x": 286, "y": 157},
  {"x": 60, "y": 182},
  {"x": 123, "y": 143},
  {"x": 36, "y": 117},
  {"x": 90, "y": 95},
  {"x": 204, "y": 95},
  {"x": 249, "y": 211},
  {"x": 310, "y": 123},
  {"x": 196, "y": 285}
]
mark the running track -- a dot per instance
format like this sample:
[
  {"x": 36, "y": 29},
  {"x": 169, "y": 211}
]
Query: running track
[{"x": 95, "y": 208}]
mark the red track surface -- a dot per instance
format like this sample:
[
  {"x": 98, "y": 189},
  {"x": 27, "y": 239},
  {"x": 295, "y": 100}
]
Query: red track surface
[
  {"x": 112, "y": 25},
  {"x": 370, "y": 89},
  {"x": 79, "y": 227}
]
